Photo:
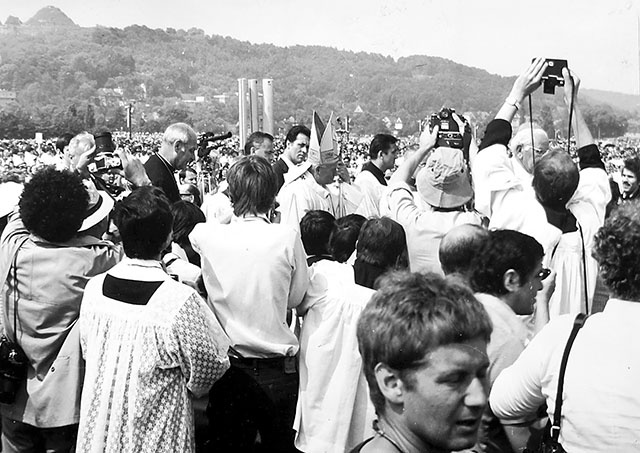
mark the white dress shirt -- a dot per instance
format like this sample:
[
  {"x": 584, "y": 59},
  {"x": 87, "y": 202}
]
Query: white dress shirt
[
  {"x": 253, "y": 271},
  {"x": 601, "y": 404}
]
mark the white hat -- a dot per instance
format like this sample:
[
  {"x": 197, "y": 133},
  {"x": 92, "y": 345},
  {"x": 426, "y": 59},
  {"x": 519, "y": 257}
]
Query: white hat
[
  {"x": 100, "y": 205},
  {"x": 323, "y": 148}
]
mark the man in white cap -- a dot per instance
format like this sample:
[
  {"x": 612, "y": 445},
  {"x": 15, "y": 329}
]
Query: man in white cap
[
  {"x": 444, "y": 190},
  {"x": 313, "y": 189}
]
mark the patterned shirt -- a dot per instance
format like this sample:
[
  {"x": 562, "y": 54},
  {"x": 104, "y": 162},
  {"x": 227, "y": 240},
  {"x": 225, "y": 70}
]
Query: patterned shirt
[{"x": 143, "y": 357}]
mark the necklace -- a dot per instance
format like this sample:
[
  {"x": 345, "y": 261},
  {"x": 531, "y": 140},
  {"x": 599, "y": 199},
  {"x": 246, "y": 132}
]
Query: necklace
[{"x": 379, "y": 432}]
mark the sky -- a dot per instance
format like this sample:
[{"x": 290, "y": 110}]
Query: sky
[{"x": 598, "y": 38}]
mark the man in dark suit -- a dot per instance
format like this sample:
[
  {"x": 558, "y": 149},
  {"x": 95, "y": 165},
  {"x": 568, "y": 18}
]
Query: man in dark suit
[
  {"x": 178, "y": 148},
  {"x": 295, "y": 152}
]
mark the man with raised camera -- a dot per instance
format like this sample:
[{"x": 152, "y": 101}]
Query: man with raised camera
[
  {"x": 179, "y": 144},
  {"x": 444, "y": 188},
  {"x": 44, "y": 266},
  {"x": 569, "y": 204}
]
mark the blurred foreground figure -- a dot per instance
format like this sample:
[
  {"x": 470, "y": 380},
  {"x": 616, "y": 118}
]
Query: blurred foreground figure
[{"x": 423, "y": 341}]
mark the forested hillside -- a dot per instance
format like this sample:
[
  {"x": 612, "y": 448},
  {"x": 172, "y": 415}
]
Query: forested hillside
[{"x": 70, "y": 78}]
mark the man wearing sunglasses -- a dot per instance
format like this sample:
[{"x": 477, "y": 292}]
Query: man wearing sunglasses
[{"x": 509, "y": 280}]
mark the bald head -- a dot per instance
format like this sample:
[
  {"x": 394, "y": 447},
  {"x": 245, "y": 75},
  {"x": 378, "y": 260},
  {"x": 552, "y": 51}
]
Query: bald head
[
  {"x": 555, "y": 179},
  {"x": 459, "y": 246},
  {"x": 522, "y": 148},
  {"x": 79, "y": 145}
]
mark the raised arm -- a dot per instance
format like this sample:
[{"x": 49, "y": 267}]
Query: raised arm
[
  {"x": 580, "y": 129},
  {"x": 428, "y": 141},
  {"x": 525, "y": 84}
]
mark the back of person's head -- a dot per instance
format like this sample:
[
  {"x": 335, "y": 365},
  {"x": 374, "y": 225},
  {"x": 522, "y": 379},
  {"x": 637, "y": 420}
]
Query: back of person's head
[
  {"x": 315, "y": 229},
  {"x": 411, "y": 315},
  {"x": 342, "y": 241},
  {"x": 79, "y": 145},
  {"x": 144, "y": 221},
  {"x": 186, "y": 215},
  {"x": 504, "y": 250},
  {"x": 256, "y": 139},
  {"x": 179, "y": 132},
  {"x": 555, "y": 179},
  {"x": 633, "y": 165},
  {"x": 381, "y": 142},
  {"x": 295, "y": 131},
  {"x": 63, "y": 141},
  {"x": 616, "y": 250},
  {"x": 252, "y": 186},
  {"x": 382, "y": 242},
  {"x": 459, "y": 246},
  {"x": 53, "y": 204}
]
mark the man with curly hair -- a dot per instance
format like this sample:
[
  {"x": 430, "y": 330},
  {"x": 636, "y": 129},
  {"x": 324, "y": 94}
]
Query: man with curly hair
[
  {"x": 44, "y": 266},
  {"x": 601, "y": 403}
]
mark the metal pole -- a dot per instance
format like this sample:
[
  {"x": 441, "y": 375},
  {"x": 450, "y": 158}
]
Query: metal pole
[
  {"x": 268, "y": 125},
  {"x": 253, "y": 105},
  {"x": 242, "y": 111},
  {"x": 129, "y": 111}
]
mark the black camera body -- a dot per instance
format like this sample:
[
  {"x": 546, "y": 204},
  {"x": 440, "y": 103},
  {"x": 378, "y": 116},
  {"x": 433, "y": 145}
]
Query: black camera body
[
  {"x": 14, "y": 365},
  {"x": 552, "y": 76},
  {"x": 449, "y": 133}
]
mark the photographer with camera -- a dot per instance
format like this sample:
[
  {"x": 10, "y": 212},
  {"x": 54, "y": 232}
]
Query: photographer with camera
[
  {"x": 444, "y": 187},
  {"x": 568, "y": 205},
  {"x": 45, "y": 263}
]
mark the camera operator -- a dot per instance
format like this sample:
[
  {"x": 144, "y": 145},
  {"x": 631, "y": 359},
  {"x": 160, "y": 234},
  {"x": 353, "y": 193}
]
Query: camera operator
[{"x": 569, "y": 204}]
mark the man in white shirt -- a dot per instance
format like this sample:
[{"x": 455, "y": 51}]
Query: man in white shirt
[
  {"x": 371, "y": 180},
  {"x": 601, "y": 404},
  {"x": 254, "y": 271}
]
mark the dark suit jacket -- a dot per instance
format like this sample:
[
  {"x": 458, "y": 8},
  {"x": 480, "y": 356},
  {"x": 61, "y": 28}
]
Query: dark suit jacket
[
  {"x": 280, "y": 168},
  {"x": 162, "y": 177}
]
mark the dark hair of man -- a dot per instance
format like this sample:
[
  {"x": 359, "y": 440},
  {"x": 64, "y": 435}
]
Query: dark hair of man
[
  {"x": 381, "y": 242},
  {"x": 53, "y": 204},
  {"x": 144, "y": 221},
  {"x": 616, "y": 250},
  {"x": 457, "y": 255},
  {"x": 633, "y": 165},
  {"x": 252, "y": 186},
  {"x": 186, "y": 215},
  {"x": 555, "y": 179},
  {"x": 295, "y": 131},
  {"x": 504, "y": 250},
  {"x": 315, "y": 228},
  {"x": 381, "y": 142},
  {"x": 63, "y": 141},
  {"x": 411, "y": 315},
  {"x": 255, "y": 140},
  {"x": 342, "y": 241}
]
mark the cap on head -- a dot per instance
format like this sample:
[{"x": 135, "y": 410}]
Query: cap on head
[
  {"x": 444, "y": 181},
  {"x": 323, "y": 148}
]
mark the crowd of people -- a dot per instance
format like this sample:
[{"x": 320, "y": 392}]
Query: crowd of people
[{"x": 323, "y": 295}]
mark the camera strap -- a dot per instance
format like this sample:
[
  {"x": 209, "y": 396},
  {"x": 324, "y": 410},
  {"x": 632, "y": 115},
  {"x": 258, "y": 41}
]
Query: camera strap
[{"x": 7, "y": 271}]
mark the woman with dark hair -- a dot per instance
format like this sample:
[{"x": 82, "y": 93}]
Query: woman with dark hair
[
  {"x": 342, "y": 242},
  {"x": 186, "y": 215},
  {"x": 381, "y": 246}
]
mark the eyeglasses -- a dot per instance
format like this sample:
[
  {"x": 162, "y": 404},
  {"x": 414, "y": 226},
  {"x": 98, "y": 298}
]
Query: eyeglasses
[{"x": 544, "y": 273}]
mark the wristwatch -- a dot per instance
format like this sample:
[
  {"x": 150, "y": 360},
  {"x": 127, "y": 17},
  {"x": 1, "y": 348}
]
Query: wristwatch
[{"x": 512, "y": 101}]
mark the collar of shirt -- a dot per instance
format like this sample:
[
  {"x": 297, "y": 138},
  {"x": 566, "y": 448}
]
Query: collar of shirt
[
  {"x": 251, "y": 218},
  {"x": 137, "y": 269},
  {"x": 375, "y": 171},
  {"x": 170, "y": 167},
  {"x": 506, "y": 314},
  {"x": 622, "y": 307},
  {"x": 286, "y": 160}
]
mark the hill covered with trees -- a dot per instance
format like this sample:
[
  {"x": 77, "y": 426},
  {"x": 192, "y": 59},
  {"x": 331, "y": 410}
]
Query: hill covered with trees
[{"x": 69, "y": 78}]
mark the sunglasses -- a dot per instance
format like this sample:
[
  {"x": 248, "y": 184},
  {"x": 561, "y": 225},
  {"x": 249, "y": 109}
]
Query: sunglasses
[{"x": 544, "y": 273}]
